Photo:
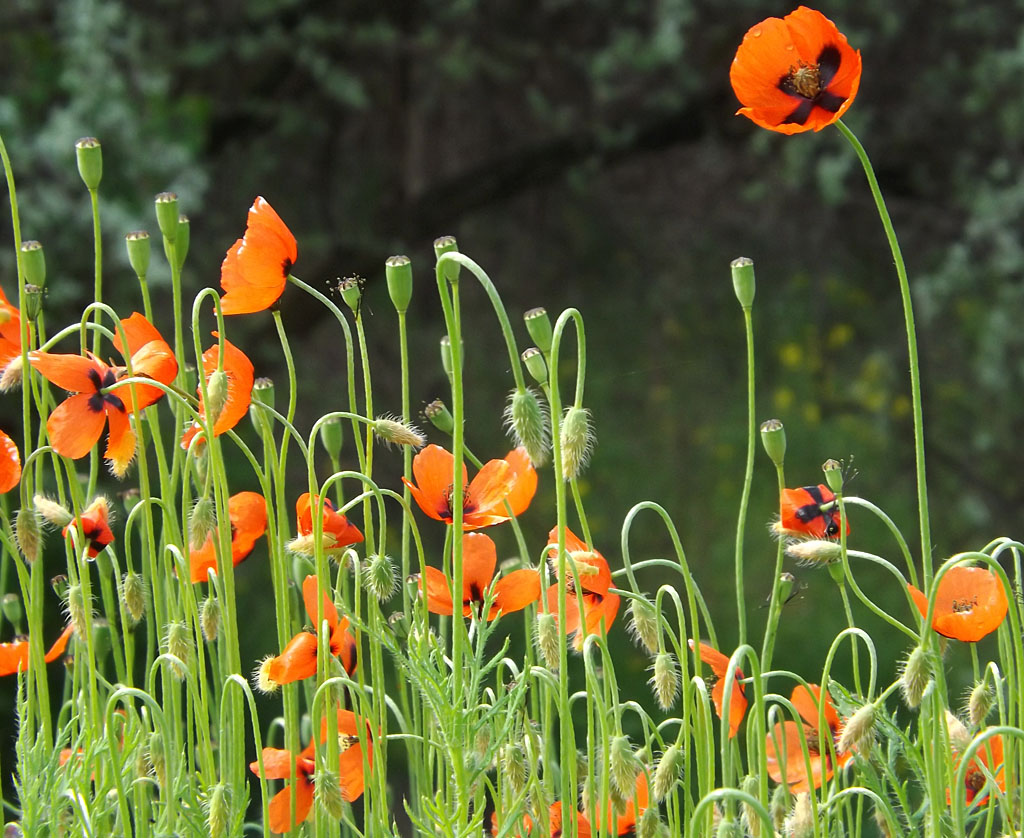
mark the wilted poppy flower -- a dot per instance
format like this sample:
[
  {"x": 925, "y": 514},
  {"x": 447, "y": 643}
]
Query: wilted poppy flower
[
  {"x": 298, "y": 660},
  {"x": 796, "y": 73},
  {"x": 247, "y": 512},
  {"x": 482, "y": 500},
  {"x": 75, "y": 425},
  {"x": 10, "y": 344},
  {"x": 277, "y": 765},
  {"x": 338, "y": 531},
  {"x": 512, "y": 592},
  {"x": 255, "y": 269},
  {"x": 969, "y": 604},
  {"x": 809, "y": 511},
  {"x": 240, "y": 376},
  {"x": 805, "y": 699},
  {"x": 595, "y": 579},
  {"x": 14, "y": 655},
  {"x": 719, "y": 664},
  {"x": 975, "y": 778},
  {"x": 625, "y": 823},
  {"x": 10, "y": 464},
  {"x": 95, "y": 526}
]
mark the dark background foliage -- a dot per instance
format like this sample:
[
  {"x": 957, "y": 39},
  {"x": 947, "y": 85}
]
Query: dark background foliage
[{"x": 585, "y": 154}]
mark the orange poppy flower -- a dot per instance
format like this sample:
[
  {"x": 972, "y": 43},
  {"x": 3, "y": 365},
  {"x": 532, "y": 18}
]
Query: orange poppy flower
[
  {"x": 338, "y": 531},
  {"x": 555, "y": 822},
  {"x": 10, "y": 344},
  {"x": 513, "y": 592},
  {"x": 975, "y": 779},
  {"x": 719, "y": 664},
  {"x": 10, "y": 464},
  {"x": 151, "y": 356},
  {"x": 247, "y": 512},
  {"x": 525, "y": 487},
  {"x": 482, "y": 500},
  {"x": 806, "y": 699},
  {"x": 595, "y": 579},
  {"x": 14, "y": 655},
  {"x": 240, "y": 375},
  {"x": 298, "y": 660},
  {"x": 255, "y": 269},
  {"x": 95, "y": 526},
  {"x": 625, "y": 823},
  {"x": 969, "y": 605},
  {"x": 809, "y": 511},
  {"x": 796, "y": 73},
  {"x": 277, "y": 765}
]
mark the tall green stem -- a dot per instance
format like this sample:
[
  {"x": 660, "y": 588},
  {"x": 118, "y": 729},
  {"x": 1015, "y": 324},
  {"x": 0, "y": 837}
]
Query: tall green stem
[{"x": 741, "y": 523}]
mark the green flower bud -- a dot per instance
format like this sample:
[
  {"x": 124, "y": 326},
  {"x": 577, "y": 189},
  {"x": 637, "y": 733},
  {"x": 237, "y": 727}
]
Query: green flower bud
[
  {"x": 643, "y": 624},
  {"x": 218, "y": 814},
  {"x": 10, "y": 604},
  {"x": 514, "y": 767},
  {"x": 447, "y": 244},
  {"x": 667, "y": 773},
  {"x": 980, "y": 702},
  {"x": 332, "y": 437},
  {"x": 743, "y": 280},
  {"x": 527, "y": 421},
  {"x": 351, "y": 290},
  {"x": 216, "y": 395},
  {"x": 536, "y": 366},
  {"x": 134, "y": 593},
  {"x": 202, "y": 523},
  {"x": 624, "y": 766},
  {"x": 547, "y": 640},
  {"x": 33, "y": 263},
  {"x": 90, "y": 162},
  {"x": 27, "y": 533},
  {"x": 77, "y": 609},
  {"x": 577, "y": 438},
  {"x": 167, "y": 215},
  {"x": 773, "y": 438},
  {"x": 380, "y": 580},
  {"x": 33, "y": 301},
  {"x": 209, "y": 618},
  {"x": 915, "y": 677},
  {"x": 139, "y": 250},
  {"x": 398, "y": 432},
  {"x": 440, "y": 417},
  {"x": 101, "y": 638},
  {"x": 538, "y": 324},
  {"x": 179, "y": 644},
  {"x": 665, "y": 680},
  {"x": 398, "y": 272}
]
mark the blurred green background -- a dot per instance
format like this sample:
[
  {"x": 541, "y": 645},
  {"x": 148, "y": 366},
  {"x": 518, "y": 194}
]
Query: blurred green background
[{"x": 586, "y": 154}]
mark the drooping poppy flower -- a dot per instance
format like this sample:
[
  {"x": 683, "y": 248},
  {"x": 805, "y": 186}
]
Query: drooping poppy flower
[
  {"x": 809, "y": 511},
  {"x": 975, "y": 778},
  {"x": 14, "y": 655},
  {"x": 719, "y": 664},
  {"x": 10, "y": 464},
  {"x": 10, "y": 345},
  {"x": 806, "y": 699},
  {"x": 255, "y": 269},
  {"x": 240, "y": 377},
  {"x": 599, "y": 604},
  {"x": 625, "y": 822},
  {"x": 277, "y": 765},
  {"x": 796, "y": 73},
  {"x": 298, "y": 660},
  {"x": 512, "y": 592},
  {"x": 969, "y": 604},
  {"x": 338, "y": 531},
  {"x": 482, "y": 500},
  {"x": 247, "y": 512},
  {"x": 96, "y": 530}
]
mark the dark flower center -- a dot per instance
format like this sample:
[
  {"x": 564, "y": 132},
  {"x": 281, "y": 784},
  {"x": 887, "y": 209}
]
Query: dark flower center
[
  {"x": 809, "y": 83},
  {"x": 467, "y": 506},
  {"x": 805, "y": 81},
  {"x": 99, "y": 399},
  {"x": 965, "y": 606}
]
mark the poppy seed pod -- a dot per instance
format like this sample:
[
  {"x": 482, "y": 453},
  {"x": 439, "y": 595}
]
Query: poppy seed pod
[
  {"x": 181, "y": 241},
  {"x": 440, "y": 416},
  {"x": 218, "y": 814},
  {"x": 538, "y": 324},
  {"x": 533, "y": 358},
  {"x": 351, "y": 290},
  {"x": 262, "y": 394},
  {"x": 332, "y": 437},
  {"x": 398, "y": 273},
  {"x": 447, "y": 244},
  {"x": 90, "y": 162},
  {"x": 743, "y": 280},
  {"x": 527, "y": 422},
  {"x": 666, "y": 775},
  {"x": 10, "y": 604},
  {"x": 773, "y": 438},
  {"x": 27, "y": 533},
  {"x": 33, "y": 301},
  {"x": 139, "y": 250},
  {"x": 577, "y": 439},
  {"x": 447, "y": 361},
  {"x": 833, "y": 475},
  {"x": 33, "y": 263},
  {"x": 166, "y": 205}
]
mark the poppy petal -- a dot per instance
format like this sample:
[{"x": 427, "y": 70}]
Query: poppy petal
[
  {"x": 10, "y": 463},
  {"x": 435, "y": 586},
  {"x": 479, "y": 558},
  {"x": 514, "y": 591},
  {"x": 74, "y": 427},
  {"x": 277, "y": 764},
  {"x": 969, "y": 605},
  {"x": 255, "y": 270},
  {"x": 74, "y": 373},
  {"x": 432, "y": 471},
  {"x": 59, "y": 645},
  {"x": 490, "y": 486},
  {"x": 525, "y": 486},
  {"x": 309, "y": 592},
  {"x": 120, "y": 441},
  {"x": 240, "y": 373},
  {"x": 281, "y": 805},
  {"x": 297, "y": 661}
]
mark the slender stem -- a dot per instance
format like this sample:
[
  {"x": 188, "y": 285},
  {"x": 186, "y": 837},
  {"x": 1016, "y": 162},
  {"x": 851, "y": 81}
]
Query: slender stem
[
  {"x": 98, "y": 248},
  {"x": 741, "y": 604},
  {"x": 915, "y": 371}
]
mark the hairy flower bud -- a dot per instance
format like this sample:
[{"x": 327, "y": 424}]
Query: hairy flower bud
[
  {"x": 158, "y": 758},
  {"x": 380, "y": 579},
  {"x": 643, "y": 624},
  {"x": 814, "y": 551},
  {"x": 209, "y": 618},
  {"x": 527, "y": 422},
  {"x": 547, "y": 640},
  {"x": 27, "y": 533},
  {"x": 218, "y": 812},
  {"x": 752, "y": 823},
  {"x": 577, "y": 440},
  {"x": 179, "y": 644},
  {"x": 650, "y": 825},
  {"x": 76, "y": 605},
  {"x": 202, "y": 523},
  {"x": 328, "y": 794},
  {"x": 134, "y": 593},
  {"x": 394, "y": 430},
  {"x": 665, "y": 680},
  {"x": 915, "y": 677},
  {"x": 514, "y": 767},
  {"x": 52, "y": 511},
  {"x": 624, "y": 766},
  {"x": 859, "y": 731},
  {"x": 216, "y": 395},
  {"x": 667, "y": 772},
  {"x": 979, "y": 703},
  {"x": 959, "y": 735},
  {"x": 800, "y": 821}
]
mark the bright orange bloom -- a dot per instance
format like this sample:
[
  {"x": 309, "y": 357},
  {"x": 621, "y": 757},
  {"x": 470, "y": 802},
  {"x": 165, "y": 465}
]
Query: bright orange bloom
[
  {"x": 719, "y": 664},
  {"x": 255, "y": 269},
  {"x": 974, "y": 779},
  {"x": 75, "y": 425},
  {"x": 338, "y": 531},
  {"x": 969, "y": 605},
  {"x": 809, "y": 511},
  {"x": 555, "y": 823},
  {"x": 796, "y": 73},
  {"x": 10, "y": 464},
  {"x": 95, "y": 526},
  {"x": 298, "y": 660},
  {"x": 247, "y": 512},
  {"x": 277, "y": 765},
  {"x": 806, "y": 699},
  {"x": 625, "y": 824},
  {"x": 513, "y": 592},
  {"x": 525, "y": 486},
  {"x": 482, "y": 500},
  {"x": 599, "y": 605},
  {"x": 240, "y": 375},
  {"x": 14, "y": 656}
]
